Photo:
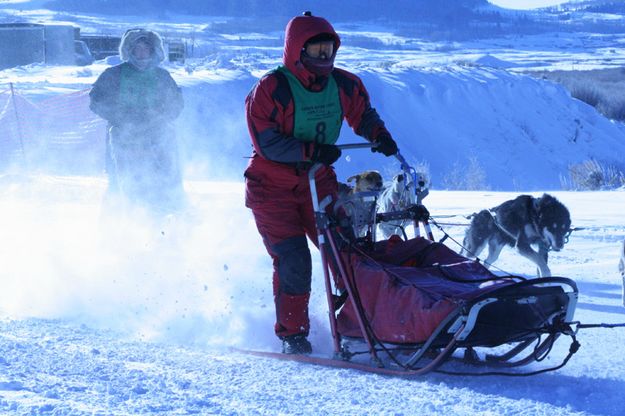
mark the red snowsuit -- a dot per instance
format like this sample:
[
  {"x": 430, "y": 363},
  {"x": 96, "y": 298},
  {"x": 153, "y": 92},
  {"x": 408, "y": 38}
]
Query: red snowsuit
[{"x": 277, "y": 188}]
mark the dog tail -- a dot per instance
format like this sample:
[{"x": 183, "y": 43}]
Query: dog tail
[{"x": 481, "y": 227}]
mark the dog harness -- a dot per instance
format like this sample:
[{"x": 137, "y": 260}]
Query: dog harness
[{"x": 493, "y": 214}]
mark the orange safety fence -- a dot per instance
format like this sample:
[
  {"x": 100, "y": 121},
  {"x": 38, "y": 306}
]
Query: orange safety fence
[{"x": 59, "y": 132}]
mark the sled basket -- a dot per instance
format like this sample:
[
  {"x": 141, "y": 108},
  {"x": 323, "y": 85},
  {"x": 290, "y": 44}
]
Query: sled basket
[{"x": 435, "y": 298}]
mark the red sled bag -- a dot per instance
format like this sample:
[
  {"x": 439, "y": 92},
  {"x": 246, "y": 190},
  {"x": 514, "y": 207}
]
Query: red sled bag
[{"x": 407, "y": 288}]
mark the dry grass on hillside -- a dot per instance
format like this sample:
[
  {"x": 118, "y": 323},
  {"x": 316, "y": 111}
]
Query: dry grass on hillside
[{"x": 604, "y": 89}]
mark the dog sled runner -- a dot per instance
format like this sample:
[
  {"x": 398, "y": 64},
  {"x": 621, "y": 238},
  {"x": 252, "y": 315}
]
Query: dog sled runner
[{"x": 408, "y": 306}]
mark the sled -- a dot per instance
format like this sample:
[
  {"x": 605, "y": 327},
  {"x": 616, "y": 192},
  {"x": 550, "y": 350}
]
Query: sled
[{"x": 408, "y": 306}]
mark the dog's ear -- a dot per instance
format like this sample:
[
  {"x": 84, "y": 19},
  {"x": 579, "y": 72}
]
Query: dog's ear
[
  {"x": 344, "y": 188},
  {"x": 546, "y": 199},
  {"x": 398, "y": 178},
  {"x": 353, "y": 178}
]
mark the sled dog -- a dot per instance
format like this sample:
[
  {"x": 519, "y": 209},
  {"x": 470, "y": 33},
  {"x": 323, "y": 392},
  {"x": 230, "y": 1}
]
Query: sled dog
[
  {"x": 520, "y": 223},
  {"x": 397, "y": 196},
  {"x": 369, "y": 180},
  {"x": 356, "y": 206},
  {"x": 621, "y": 268}
]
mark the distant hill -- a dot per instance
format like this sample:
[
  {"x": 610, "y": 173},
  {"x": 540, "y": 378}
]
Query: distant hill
[
  {"x": 594, "y": 6},
  {"x": 438, "y": 19},
  {"x": 346, "y": 9},
  {"x": 432, "y": 19}
]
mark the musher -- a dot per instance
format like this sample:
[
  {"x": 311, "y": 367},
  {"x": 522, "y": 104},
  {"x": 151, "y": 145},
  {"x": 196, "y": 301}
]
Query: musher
[{"x": 294, "y": 116}]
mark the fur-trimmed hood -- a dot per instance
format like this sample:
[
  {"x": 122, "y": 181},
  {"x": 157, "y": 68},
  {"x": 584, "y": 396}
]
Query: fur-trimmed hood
[{"x": 132, "y": 36}]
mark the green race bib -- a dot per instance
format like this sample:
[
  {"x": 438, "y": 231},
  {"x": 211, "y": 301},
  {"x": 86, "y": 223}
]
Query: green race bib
[
  {"x": 318, "y": 115},
  {"x": 138, "y": 89}
]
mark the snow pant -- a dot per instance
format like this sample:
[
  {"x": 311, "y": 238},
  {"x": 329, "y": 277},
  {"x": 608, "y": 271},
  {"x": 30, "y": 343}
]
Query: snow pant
[
  {"x": 144, "y": 162},
  {"x": 279, "y": 196}
]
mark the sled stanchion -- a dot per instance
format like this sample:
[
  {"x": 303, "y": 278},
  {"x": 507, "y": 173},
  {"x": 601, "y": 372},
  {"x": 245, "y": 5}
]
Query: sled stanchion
[
  {"x": 428, "y": 230},
  {"x": 333, "y": 325},
  {"x": 313, "y": 186},
  {"x": 324, "y": 237},
  {"x": 321, "y": 224},
  {"x": 322, "y": 234},
  {"x": 351, "y": 290}
]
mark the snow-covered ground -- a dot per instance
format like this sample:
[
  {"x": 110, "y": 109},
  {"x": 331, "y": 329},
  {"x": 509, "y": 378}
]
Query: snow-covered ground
[
  {"x": 101, "y": 315},
  {"x": 139, "y": 319}
]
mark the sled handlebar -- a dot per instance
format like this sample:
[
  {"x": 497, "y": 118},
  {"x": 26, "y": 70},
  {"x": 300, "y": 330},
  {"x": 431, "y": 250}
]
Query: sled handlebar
[
  {"x": 418, "y": 183},
  {"x": 356, "y": 146},
  {"x": 404, "y": 165}
]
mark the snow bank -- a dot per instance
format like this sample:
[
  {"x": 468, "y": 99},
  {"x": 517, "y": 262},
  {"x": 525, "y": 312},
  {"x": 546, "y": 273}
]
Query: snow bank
[
  {"x": 513, "y": 131},
  {"x": 523, "y": 133}
]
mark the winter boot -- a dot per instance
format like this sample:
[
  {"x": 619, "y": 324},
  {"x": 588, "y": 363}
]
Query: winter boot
[{"x": 296, "y": 344}]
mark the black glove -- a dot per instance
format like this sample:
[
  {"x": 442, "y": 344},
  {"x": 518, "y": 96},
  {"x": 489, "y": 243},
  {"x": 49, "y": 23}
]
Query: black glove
[
  {"x": 420, "y": 212},
  {"x": 326, "y": 154},
  {"x": 385, "y": 145}
]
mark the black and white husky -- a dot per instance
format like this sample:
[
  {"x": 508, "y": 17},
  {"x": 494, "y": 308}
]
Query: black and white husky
[
  {"x": 621, "y": 268},
  {"x": 397, "y": 196},
  {"x": 520, "y": 223}
]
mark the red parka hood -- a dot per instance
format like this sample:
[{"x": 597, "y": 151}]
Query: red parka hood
[{"x": 298, "y": 31}]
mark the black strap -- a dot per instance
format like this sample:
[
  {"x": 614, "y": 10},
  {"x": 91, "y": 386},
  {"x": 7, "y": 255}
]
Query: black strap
[{"x": 282, "y": 93}]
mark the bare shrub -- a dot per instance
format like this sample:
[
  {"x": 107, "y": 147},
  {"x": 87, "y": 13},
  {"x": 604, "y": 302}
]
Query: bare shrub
[
  {"x": 613, "y": 108},
  {"x": 591, "y": 175},
  {"x": 586, "y": 93},
  {"x": 470, "y": 177},
  {"x": 603, "y": 89},
  {"x": 454, "y": 179},
  {"x": 565, "y": 183},
  {"x": 475, "y": 176}
]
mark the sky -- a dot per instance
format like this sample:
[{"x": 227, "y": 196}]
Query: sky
[{"x": 526, "y": 4}]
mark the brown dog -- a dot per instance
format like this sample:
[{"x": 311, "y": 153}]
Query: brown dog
[
  {"x": 356, "y": 206},
  {"x": 369, "y": 180}
]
